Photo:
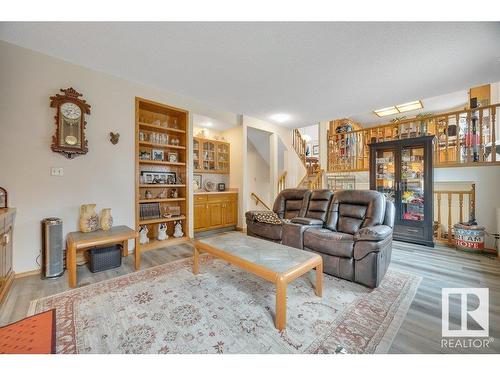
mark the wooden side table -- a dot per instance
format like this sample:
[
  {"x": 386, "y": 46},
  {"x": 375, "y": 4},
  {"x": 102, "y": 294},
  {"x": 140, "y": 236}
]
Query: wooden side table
[{"x": 79, "y": 240}]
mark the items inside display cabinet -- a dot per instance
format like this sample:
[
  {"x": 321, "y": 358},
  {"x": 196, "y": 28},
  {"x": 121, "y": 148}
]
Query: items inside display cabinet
[
  {"x": 402, "y": 171},
  {"x": 412, "y": 183},
  {"x": 385, "y": 173}
]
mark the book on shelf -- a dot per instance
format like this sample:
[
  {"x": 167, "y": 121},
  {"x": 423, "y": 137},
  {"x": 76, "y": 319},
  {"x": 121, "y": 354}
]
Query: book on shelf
[{"x": 148, "y": 211}]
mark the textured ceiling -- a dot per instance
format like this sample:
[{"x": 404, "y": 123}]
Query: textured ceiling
[{"x": 312, "y": 71}]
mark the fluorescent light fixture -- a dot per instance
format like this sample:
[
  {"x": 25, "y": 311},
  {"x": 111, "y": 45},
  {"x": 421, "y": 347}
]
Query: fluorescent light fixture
[
  {"x": 280, "y": 117},
  {"x": 411, "y": 106},
  {"x": 208, "y": 124},
  {"x": 386, "y": 111},
  {"x": 400, "y": 108}
]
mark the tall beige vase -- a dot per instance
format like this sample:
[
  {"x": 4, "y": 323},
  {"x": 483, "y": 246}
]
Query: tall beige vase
[
  {"x": 89, "y": 221},
  {"x": 106, "y": 219}
]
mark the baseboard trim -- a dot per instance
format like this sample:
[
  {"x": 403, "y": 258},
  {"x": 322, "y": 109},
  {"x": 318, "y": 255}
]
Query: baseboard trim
[{"x": 27, "y": 273}]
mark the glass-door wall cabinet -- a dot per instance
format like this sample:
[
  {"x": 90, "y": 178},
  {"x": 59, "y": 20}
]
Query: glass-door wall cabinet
[
  {"x": 210, "y": 156},
  {"x": 402, "y": 171}
]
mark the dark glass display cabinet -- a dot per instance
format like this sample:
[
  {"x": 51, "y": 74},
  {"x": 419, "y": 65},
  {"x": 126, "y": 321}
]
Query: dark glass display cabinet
[{"x": 402, "y": 170}]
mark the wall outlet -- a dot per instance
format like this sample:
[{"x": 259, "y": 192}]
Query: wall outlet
[{"x": 57, "y": 172}]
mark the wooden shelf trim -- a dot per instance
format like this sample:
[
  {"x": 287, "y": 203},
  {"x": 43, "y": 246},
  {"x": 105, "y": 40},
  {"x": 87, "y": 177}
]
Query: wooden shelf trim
[
  {"x": 157, "y": 162},
  {"x": 159, "y": 200},
  {"x": 162, "y": 220},
  {"x": 162, "y": 185},
  {"x": 158, "y": 127},
  {"x": 155, "y": 244},
  {"x": 162, "y": 145}
]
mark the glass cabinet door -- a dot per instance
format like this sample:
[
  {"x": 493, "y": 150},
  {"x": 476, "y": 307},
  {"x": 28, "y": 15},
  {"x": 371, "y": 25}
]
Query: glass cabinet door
[
  {"x": 385, "y": 176},
  {"x": 412, "y": 183},
  {"x": 196, "y": 154},
  {"x": 223, "y": 157},
  {"x": 208, "y": 156}
]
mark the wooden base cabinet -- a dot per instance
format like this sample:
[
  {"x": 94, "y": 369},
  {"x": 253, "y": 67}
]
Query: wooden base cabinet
[
  {"x": 6, "y": 233},
  {"x": 214, "y": 211}
]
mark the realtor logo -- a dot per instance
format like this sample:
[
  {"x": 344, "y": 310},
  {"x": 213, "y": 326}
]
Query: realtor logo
[{"x": 473, "y": 304}]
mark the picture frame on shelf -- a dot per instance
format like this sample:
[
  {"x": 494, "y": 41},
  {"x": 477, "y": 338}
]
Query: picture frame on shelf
[
  {"x": 158, "y": 177},
  {"x": 144, "y": 155},
  {"x": 173, "y": 157},
  {"x": 197, "y": 181},
  {"x": 157, "y": 155}
]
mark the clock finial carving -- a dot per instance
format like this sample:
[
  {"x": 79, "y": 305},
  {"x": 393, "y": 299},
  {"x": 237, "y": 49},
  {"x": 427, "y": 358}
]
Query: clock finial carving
[{"x": 69, "y": 138}]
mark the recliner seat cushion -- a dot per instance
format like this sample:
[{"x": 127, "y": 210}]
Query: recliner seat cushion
[
  {"x": 264, "y": 230},
  {"x": 328, "y": 242}
]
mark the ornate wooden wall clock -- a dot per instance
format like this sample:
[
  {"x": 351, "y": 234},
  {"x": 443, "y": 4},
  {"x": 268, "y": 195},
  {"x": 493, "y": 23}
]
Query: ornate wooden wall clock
[{"x": 69, "y": 138}]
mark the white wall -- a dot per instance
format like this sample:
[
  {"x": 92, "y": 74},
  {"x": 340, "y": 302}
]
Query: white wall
[
  {"x": 237, "y": 178},
  {"x": 292, "y": 163},
  {"x": 258, "y": 177},
  {"x": 104, "y": 176}
]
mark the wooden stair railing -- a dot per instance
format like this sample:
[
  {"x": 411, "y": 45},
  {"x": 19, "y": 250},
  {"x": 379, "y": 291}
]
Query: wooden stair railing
[
  {"x": 464, "y": 138},
  {"x": 282, "y": 182},
  {"x": 317, "y": 182},
  {"x": 454, "y": 213},
  {"x": 258, "y": 200},
  {"x": 299, "y": 145}
]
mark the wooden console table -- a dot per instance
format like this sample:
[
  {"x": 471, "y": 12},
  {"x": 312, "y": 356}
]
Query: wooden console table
[{"x": 79, "y": 241}]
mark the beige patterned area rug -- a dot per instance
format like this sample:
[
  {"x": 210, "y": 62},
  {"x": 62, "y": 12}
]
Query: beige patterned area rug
[{"x": 167, "y": 309}]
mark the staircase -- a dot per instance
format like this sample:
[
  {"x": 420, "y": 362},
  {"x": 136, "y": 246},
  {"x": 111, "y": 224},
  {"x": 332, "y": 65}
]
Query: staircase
[{"x": 314, "y": 174}]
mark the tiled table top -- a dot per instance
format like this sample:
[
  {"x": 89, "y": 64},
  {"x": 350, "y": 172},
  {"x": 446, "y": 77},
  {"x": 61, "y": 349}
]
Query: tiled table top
[{"x": 273, "y": 256}]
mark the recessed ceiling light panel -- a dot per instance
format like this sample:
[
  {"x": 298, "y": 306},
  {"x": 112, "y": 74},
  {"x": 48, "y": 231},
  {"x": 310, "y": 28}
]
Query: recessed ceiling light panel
[
  {"x": 411, "y": 106},
  {"x": 386, "y": 111},
  {"x": 400, "y": 108},
  {"x": 280, "y": 117}
]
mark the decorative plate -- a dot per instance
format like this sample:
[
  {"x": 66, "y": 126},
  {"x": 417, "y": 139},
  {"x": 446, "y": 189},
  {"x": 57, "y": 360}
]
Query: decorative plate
[{"x": 209, "y": 185}]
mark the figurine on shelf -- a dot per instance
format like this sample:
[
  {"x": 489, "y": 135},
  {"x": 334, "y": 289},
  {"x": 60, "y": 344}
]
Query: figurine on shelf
[
  {"x": 162, "y": 194},
  {"x": 148, "y": 194},
  {"x": 162, "y": 232},
  {"x": 174, "y": 193},
  {"x": 178, "y": 229},
  {"x": 143, "y": 235}
]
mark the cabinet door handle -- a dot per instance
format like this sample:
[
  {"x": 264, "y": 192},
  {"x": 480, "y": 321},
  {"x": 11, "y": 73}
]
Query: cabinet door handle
[{"x": 412, "y": 230}]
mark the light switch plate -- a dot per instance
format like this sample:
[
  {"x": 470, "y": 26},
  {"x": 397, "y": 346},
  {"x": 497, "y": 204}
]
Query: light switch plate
[{"x": 57, "y": 171}]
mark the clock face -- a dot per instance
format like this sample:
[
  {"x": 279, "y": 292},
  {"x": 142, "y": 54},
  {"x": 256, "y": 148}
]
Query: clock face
[{"x": 71, "y": 111}]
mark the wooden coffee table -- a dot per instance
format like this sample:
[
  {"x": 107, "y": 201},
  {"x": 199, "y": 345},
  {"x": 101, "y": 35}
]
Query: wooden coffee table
[{"x": 273, "y": 262}]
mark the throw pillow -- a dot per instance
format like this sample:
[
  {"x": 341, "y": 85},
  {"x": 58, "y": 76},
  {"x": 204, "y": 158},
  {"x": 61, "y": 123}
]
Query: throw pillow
[{"x": 268, "y": 217}]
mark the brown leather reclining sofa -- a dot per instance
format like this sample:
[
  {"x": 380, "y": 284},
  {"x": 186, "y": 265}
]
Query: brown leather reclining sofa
[{"x": 350, "y": 229}]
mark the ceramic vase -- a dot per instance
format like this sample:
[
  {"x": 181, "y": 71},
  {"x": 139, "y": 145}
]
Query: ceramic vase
[
  {"x": 89, "y": 221},
  {"x": 106, "y": 219}
]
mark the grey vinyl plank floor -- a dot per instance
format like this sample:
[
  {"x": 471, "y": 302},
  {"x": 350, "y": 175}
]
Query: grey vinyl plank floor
[{"x": 420, "y": 331}]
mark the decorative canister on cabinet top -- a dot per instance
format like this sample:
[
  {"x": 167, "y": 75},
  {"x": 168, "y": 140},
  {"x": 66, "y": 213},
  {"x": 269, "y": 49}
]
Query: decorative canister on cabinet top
[
  {"x": 89, "y": 222},
  {"x": 469, "y": 237}
]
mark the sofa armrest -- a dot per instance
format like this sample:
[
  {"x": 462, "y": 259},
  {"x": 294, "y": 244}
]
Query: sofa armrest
[
  {"x": 307, "y": 221},
  {"x": 250, "y": 215},
  {"x": 375, "y": 233}
]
